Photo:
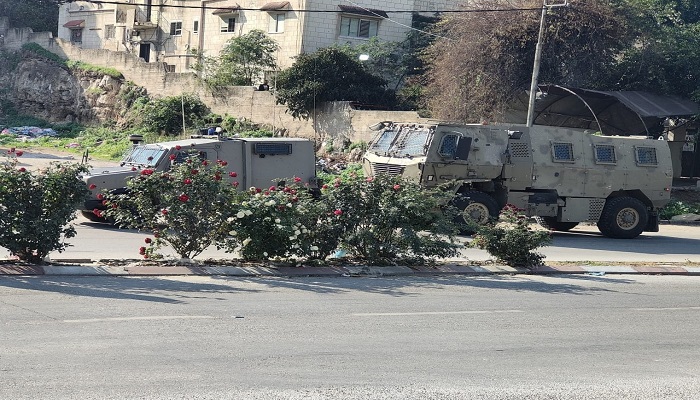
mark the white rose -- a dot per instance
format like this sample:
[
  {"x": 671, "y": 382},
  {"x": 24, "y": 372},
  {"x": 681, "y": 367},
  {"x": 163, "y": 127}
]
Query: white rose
[
  {"x": 246, "y": 241},
  {"x": 240, "y": 214}
]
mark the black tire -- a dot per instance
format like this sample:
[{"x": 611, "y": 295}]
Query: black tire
[
  {"x": 551, "y": 223},
  {"x": 623, "y": 218},
  {"x": 92, "y": 217},
  {"x": 475, "y": 206}
]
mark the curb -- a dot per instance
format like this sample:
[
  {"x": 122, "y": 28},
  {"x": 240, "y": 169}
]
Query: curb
[{"x": 335, "y": 271}]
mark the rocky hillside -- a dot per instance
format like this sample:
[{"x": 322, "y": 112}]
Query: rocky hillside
[{"x": 49, "y": 90}]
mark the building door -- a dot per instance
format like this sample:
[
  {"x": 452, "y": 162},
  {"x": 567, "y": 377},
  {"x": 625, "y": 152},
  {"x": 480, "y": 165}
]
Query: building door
[{"x": 145, "y": 51}]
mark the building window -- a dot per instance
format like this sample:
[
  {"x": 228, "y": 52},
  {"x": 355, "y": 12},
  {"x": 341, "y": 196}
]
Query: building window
[
  {"x": 195, "y": 27},
  {"x": 276, "y": 23},
  {"x": 109, "y": 31},
  {"x": 76, "y": 36},
  {"x": 176, "y": 28},
  {"x": 228, "y": 25},
  {"x": 358, "y": 27}
]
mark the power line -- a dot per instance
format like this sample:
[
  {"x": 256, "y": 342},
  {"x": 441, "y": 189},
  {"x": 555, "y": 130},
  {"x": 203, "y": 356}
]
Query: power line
[{"x": 321, "y": 11}]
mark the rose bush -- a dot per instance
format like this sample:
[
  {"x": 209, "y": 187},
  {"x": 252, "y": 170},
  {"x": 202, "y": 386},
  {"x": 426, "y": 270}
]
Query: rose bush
[
  {"x": 36, "y": 208},
  {"x": 186, "y": 208},
  {"x": 386, "y": 219}
]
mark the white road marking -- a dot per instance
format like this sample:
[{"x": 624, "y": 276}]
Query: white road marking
[
  {"x": 667, "y": 309},
  {"x": 435, "y": 313},
  {"x": 151, "y": 318}
]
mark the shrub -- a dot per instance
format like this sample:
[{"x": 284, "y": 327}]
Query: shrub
[
  {"x": 386, "y": 219},
  {"x": 36, "y": 208},
  {"x": 164, "y": 115},
  {"x": 186, "y": 208},
  {"x": 283, "y": 223},
  {"x": 676, "y": 207},
  {"x": 511, "y": 240}
]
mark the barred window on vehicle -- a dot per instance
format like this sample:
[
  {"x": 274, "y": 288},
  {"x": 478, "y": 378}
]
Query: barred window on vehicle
[
  {"x": 448, "y": 146},
  {"x": 562, "y": 152},
  {"x": 605, "y": 154},
  {"x": 646, "y": 156}
]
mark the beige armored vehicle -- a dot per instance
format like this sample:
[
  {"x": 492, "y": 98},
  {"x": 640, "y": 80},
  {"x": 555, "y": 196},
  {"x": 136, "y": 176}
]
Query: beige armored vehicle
[
  {"x": 258, "y": 162},
  {"x": 562, "y": 176}
]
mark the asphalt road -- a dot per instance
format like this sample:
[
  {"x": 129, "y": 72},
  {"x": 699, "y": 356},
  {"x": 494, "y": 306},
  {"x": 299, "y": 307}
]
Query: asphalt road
[
  {"x": 457, "y": 337},
  {"x": 674, "y": 243}
]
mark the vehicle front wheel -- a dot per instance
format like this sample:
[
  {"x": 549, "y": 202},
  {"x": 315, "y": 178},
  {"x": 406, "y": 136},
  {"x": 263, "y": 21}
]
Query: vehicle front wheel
[
  {"x": 623, "y": 218},
  {"x": 552, "y": 224},
  {"x": 475, "y": 207}
]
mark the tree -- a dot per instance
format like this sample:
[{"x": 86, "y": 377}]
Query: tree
[
  {"x": 40, "y": 15},
  {"x": 243, "y": 59},
  {"x": 665, "y": 56},
  {"x": 483, "y": 58},
  {"x": 328, "y": 75}
]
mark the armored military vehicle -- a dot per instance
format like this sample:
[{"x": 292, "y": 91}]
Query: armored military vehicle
[
  {"x": 258, "y": 162},
  {"x": 561, "y": 176}
]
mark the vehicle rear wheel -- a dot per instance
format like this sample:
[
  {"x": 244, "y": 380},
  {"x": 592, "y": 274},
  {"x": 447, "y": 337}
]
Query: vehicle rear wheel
[
  {"x": 623, "y": 218},
  {"x": 551, "y": 223},
  {"x": 475, "y": 207},
  {"x": 92, "y": 217}
]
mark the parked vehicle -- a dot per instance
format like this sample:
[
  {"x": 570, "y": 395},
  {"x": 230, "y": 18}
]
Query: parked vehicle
[
  {"x": 561, "y": 176},
  {"x": 258, "y": 162}
]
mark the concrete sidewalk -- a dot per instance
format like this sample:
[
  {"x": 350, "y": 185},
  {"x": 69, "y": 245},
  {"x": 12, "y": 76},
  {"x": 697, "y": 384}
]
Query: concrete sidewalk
[{"x": 137, "y": 269}]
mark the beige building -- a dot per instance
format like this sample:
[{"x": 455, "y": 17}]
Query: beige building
[{"x": 173, "y": 31}]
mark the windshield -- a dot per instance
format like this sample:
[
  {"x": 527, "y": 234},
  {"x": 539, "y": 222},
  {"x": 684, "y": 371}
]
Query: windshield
[
  {"x": 144, "y": 155},
  {"x": 404, "y": 141}
]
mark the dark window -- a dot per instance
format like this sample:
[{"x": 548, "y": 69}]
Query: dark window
[
  {"x": 448, "y": 147},
  {"x": 273, "y": 148},
  {"x": 563, "y": 152},
  {"x": 646, "y": 156},
  {"x": 605, "y": 154},
  {"x": 176, "y": 28},
  {"x": 195, "y": 27},
  {"x": 228, "y": 25}
]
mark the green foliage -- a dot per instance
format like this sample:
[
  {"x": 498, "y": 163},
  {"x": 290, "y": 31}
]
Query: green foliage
[
  {"x": 676, "y": 207},
  {"x": 37, "y": 49},
  {"x": 40, "y": 15},
  {"x": 242, "y": 60},
  {"x": 186, "y": 208},
  {"x": 386, "y": 219},
  {"x": 283, "y": 223},
  {"x": 164, "y": 115},
  {"x": 328, "y": 75},
  {"x": 511, "y": 240},
  {"x": 94, "y": 69},
  {"x": 36, "y": 208}
]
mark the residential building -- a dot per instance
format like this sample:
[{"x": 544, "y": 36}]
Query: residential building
[{"x": 175, "y": 31}]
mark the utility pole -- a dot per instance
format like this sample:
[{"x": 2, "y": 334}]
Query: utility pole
[{"x": 538, "y": 59}]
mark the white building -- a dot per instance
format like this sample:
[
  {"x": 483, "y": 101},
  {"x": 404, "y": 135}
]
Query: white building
[{"x": 173, "y": 31}]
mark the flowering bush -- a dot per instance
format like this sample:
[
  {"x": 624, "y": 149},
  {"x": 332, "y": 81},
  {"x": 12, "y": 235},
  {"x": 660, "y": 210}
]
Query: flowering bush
[
  {"x": 511, "y": 240},
  {"x": 282, "y": 222},
  {"x": 36, "y": 208},
  {"x": 386, "y": 218},
  {"x": 186, "y": 207}
]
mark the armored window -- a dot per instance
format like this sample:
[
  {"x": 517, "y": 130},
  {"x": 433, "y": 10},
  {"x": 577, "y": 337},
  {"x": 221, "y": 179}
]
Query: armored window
[
  {"x": 411, "y": 142},
  {"x": 182, "y": 156},
  {"x": 448, "y": 146},
  {"x": 272, "y": 148},
  {"x": 646, "y": 156},
  {"x": 605, "y": 154},
  {"x": 562, "y": 152}
]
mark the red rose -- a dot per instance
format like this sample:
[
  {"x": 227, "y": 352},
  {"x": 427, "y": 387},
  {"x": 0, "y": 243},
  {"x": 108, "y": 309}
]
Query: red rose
[
  {"x": 370, "y": 179},
  {"x": 92, "y": 186},
  {"x": 178, "y": 147},
  {"x": 258, "y": 190},
  {"x": 217, "y": 177},
  {"x": 297, "y": 179},
  {"x": 142, "y": 250},
  {"x": 147, "y": 172},
  {"x": 22, "y": 169},
  {"x": 19, "y": 153},
  {"x": 222, "y": 163},
  {"x": 232, "y": 174},
  {"x": 266, "y": 193},
  {"x": 272, "y": 188},
  {"x": 324, "y": 187},
  {"x": 12, "y": 150},
  {"x": 172, "y": 157},
  {"x": 205, "y": 163},
  {"x": 397, "y": 187},
  {"x": 194, "y": 172},
  {"x": 97, "y": 212},
  {"x": 337, "y": 184},
  {"x": 235, "y": 184},
  {"x": 100, "y": 196},
  {"x": 147, "y": 240},
  {"x": 184, "y": 198},
  {"x": 338, "y": 212},
  {"x": 164, "y": 211},
  {"x": 187, "y": 181}
]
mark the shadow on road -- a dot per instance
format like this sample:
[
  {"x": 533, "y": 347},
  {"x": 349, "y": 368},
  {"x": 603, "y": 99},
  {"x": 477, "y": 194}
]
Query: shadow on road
[{"x": 645, "y": 244}]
